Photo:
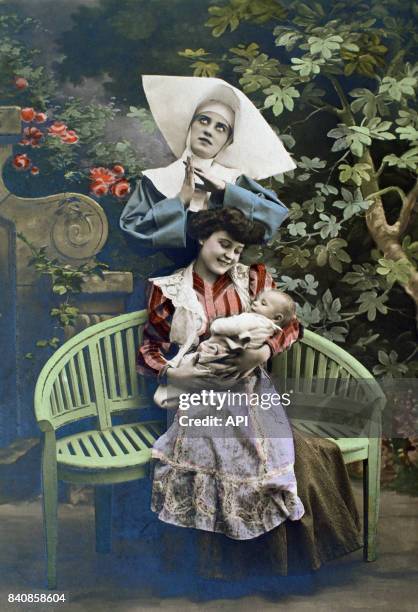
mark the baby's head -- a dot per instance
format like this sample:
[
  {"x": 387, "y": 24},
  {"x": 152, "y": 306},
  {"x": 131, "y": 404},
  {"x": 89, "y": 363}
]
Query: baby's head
[{"x": 275, "y": 305}]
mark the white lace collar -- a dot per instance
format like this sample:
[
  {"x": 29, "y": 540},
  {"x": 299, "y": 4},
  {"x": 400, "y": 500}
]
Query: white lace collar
[{"x": 189, "y": 319}]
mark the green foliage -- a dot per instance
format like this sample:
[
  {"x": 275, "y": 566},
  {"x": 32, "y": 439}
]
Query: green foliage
[
  {"x": 325, "y": 47},
  {"x": 353, "y": 137},
  {"x": 205, "y": 69},
  {"x": 297, "y": 229},
  {"x": 144, "y": 116},
  {"x": 280, "y": 98},
  {"x": 308, "y": 15},
  {"x": 307, "y": 285},
  {"x": 362, "y": 277},
  {"x": 17, "y": 59},
  {"x": 368, "y": 102},
  {"x": 308, "y": 315},
  {"x": 311, "y": 96},
  {"x": 257, "y": 70},
  {"x": 52, "y": 343},
  {"x": 407, "y": 161},
  {"x": 65, "y": 313},
  {"x": 395, "y": 271},
  {"x": 398, "y": 89},
  {"x": 356, "y": 173},
  {"x": 352, "y": 203},
  {"x": 230, "y": 16},
  {"x": 311, "y": 164},
  {"x": 358, "y": 137},
  {"x": 408, "y": 132},
  {"x": 295, "y": 257},
  {"x": 286, "y": 38},
  {"x": 410, "y": 248},
  {"x": 371, "y": 303},
  {"x": 66, "y": 280},
  {"x": 331, "y": 306},
  {"x": 406, "y": 117},
  {"x": 332, "y": 254},
  {"x": 379, "y": 129},
  {"x": 328, "y": 226},
  {"x": 389, "y": 366},
  {"x": 367, "y": 58},
  {"x": 306, "y": 66},
  {"x": 314, "y": 204},
  {"x": 196, "y": 54}
]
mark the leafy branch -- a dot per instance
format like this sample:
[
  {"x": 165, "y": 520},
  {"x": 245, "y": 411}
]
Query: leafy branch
[{"x": 66, "y": 280}]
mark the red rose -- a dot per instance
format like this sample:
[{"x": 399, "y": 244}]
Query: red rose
[
  {"x": 99, "y": 188},
  {"x": 25, "y": 141},
  {"x": 33, "y": 132},
  {"x": 21, "y": 82},
  {"x": 102, "y": 174},
  {"x": 27, "y": 114},
  {"x": 34, "y": 170},
  {"x": 121, "y": 188},
  {"x": 58, "y": 128},
  {"x": 21, "y": 162},
  {"x": 40, "y": 117},
  {"x": 118, "y": 170},
  {"x": 70, "y": 137},
  {"x": 35, "y": 143}
]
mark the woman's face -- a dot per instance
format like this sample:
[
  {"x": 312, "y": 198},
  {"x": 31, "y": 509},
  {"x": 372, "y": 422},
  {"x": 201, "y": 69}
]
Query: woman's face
[
  {"x": 209, "y": 132},
  {"x": 219, "y": 253}
]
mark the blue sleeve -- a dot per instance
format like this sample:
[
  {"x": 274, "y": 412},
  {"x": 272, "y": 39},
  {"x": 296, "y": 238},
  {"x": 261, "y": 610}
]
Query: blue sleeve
[
  {"x": 155, "y": 221},
  {"x": 257, "y": 203}
]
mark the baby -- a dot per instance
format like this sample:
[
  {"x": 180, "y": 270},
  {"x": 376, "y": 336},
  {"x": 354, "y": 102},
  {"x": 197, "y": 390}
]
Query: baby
[{"x": 270, "y": 311}]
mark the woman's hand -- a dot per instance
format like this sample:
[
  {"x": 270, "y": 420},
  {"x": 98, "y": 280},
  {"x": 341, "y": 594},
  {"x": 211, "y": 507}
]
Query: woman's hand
[
  {"x": 192, "y": 377},
  {"x": 188, "y": 187},
  {"x": 255, "y": 337},
  {"x": 241, "y": 363},
  {"x": 210, "y": 183}
]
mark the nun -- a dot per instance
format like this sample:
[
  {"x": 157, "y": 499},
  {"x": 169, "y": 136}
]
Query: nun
[{"x": 223, "y": 147}]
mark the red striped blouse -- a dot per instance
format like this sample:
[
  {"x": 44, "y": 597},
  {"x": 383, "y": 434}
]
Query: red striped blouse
[{"x": 218, "y": 300}]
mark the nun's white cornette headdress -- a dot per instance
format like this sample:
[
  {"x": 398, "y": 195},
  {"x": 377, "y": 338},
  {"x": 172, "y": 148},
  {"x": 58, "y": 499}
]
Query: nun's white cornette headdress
[{"x": 256, "y": 150}]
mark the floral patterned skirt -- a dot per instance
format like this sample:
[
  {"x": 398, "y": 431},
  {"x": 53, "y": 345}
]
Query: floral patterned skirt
[
  {"x": 328, "y": 529},
  {"x": 235, "y": 477}
]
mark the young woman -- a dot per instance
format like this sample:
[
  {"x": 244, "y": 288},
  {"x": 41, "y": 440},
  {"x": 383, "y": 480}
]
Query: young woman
[{"x": 242, "y": 485}]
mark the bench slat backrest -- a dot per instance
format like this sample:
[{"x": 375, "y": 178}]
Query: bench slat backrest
[
  {"x": 94, "y": 374},
  {"x": 317, "y": 365}
]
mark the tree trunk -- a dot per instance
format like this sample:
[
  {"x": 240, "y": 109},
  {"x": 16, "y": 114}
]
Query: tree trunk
[{"x": 388, "y": 237}]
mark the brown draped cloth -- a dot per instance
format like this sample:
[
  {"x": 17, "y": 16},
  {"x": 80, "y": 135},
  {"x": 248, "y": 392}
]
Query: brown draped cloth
[{"x": 329, "y": 528}]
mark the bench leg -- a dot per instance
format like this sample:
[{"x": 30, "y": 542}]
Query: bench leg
[
  {"x": 50, "y": 509},
  {"x": 371, "y": 499},
  {"x": 103, "y": 518}
]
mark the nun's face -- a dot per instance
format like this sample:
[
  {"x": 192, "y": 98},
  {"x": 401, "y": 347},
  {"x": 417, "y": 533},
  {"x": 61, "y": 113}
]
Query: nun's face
[{"x": 209, "y": 132}]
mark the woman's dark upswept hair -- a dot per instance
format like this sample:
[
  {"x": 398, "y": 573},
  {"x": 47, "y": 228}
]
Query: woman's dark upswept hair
[{"x": 231, "y": 220}]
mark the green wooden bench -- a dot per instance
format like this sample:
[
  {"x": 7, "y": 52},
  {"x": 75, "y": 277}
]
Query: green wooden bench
[{"x": 93, "y": 375}]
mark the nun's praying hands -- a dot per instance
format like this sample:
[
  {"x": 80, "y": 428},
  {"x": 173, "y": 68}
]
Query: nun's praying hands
[
  {"x": 208, "y": 181},
  {"x": 188, "y": 188}
]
